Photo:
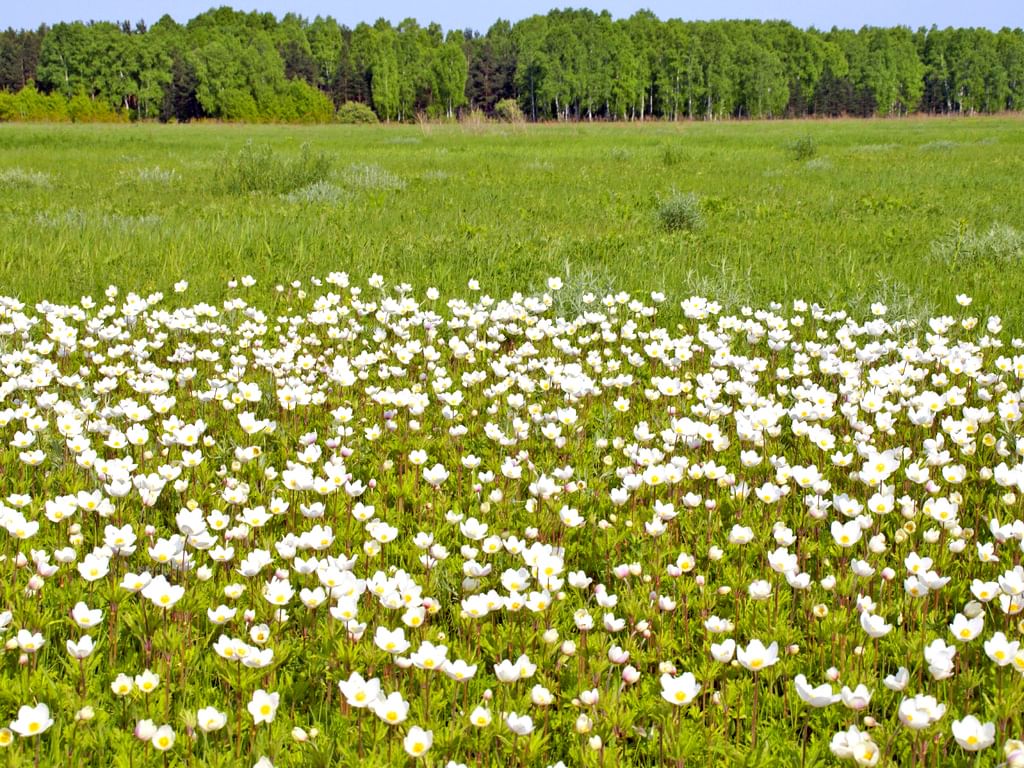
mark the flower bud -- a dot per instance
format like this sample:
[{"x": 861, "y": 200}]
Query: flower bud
[{"x": 584, "y": 724}]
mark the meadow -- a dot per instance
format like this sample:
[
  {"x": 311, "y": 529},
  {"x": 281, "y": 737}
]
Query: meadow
[
  {"x": 830, "y": 211},
  {"x": 504, "y": 445}
]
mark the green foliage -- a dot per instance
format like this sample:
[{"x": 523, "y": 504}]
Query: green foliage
[
  {"x": 681, "y": 212},
  {"x": 570, "y": 64},
  {"x": 259, "y": 168},
  {"x": 82, "y": 109},
  {"x": 302, "y": 103},
  {"x": 354, "y": 113},
  {"x": 29, "y": 105}
]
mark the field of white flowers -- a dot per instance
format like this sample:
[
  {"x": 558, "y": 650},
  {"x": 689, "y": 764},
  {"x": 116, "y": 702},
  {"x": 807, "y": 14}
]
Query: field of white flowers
[{"x": 356, "y": 525}]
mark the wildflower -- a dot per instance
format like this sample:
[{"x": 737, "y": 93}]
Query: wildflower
[
  {"x": 679, "y": 690},
  {"x": 821, "y": 696},
  {"x": 263, "y": 706},
  {"x": 147, "y": 682},
  {"x": 480, "y": 717},
  {"x": 392, "y": 709},
  {"x": 32, "y": 721},
  {"x": 920, "y": 711},
  {"x": 417, "y": 741},
  {"x": 520, "y": 725},
  {"x": 209, "y": 719},
  {"x": 756, "y": 656},
  {"x": 163, "y": 739},
  {"x": 973, "y": 735}
]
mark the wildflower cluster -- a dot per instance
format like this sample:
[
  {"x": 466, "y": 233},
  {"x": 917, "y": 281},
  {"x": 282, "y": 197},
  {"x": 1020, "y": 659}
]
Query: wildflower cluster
[{"x": 376, "y": 524}]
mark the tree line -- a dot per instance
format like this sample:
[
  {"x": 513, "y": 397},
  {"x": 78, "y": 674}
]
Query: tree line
[{"x": 567, "y": 65}]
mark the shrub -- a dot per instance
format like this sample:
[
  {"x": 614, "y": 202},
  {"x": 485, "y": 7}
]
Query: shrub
[
  {"x": 300, "y": 102},
  {"x": 257, "y": 168},
  {"x": 803, "y": 148},
  {"x": 681, "y": 212},
  {"x": 82, "y": 109},
  {"x": 30, "y": 105},
  {"x": 508, "y": 111},
  {"x": 355, "y": 113}
]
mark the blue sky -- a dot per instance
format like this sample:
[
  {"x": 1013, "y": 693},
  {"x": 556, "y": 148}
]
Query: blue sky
[{"x": 479, "y": 15}]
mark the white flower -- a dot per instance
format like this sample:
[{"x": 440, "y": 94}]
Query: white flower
[
  {"x": 480, "y": 717},
  {"x": 920, "y": 711},
  {"x": 392, "y": 709},
  {"x": 32, "y": 721},
  {"x": 82, "y": 649},
  {"x": 209, "y": 719},
  {"x": 521, "y": 725},
  {"x": 875, "y": 626},
  {"x": 679, "y": 690},
  {"x": 973, "y": 735},
  {"x": 822, "y": 696},
  {"x": 756, "y": 657},
  {"x": 263, "y": 706},
  {"x": 163, "y": 739},
  {"x": 418, "y": 741},
  {"x": 435, "y": 475}
]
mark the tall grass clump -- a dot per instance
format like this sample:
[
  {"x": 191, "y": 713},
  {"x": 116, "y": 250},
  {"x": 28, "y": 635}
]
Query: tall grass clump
[
  {"x": 319, "y": 192},
  {"x": 999, "y": 245},
  {"x": 371, "y": 177},
  {"x": 258, "y": 168},
  {"x": 19, "y": 178},
  {"x": 671, "y": 155},
  {"x": 154, "y": 175},
  {"x": 803, "y": 148},
  {"x": 581, "y": 287},
  {"x": 681, "y": 213}
]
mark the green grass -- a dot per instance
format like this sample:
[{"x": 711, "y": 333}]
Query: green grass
[{"x": 146, "y": 205}]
